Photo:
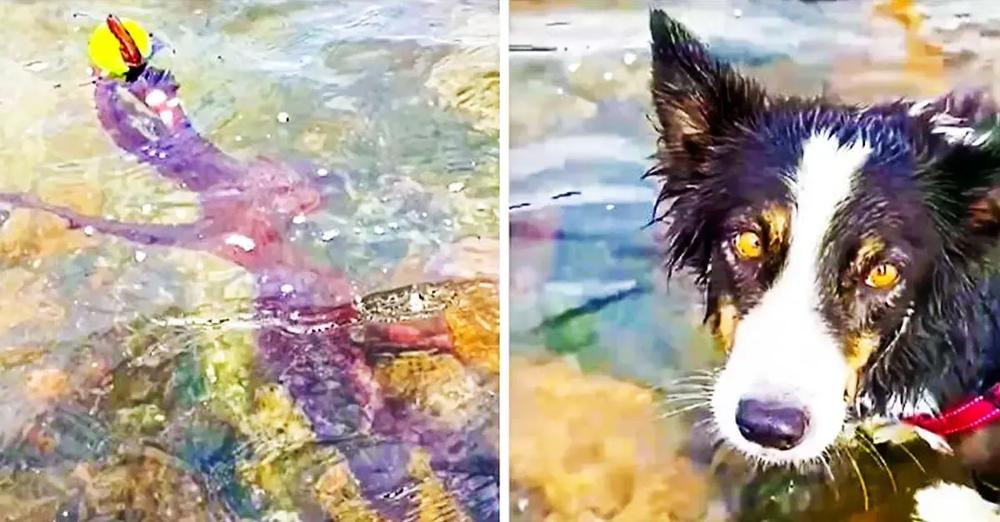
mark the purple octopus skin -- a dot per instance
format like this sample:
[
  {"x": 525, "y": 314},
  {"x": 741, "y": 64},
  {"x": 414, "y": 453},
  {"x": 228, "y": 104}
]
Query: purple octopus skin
[{"x": 305, "y": 309}]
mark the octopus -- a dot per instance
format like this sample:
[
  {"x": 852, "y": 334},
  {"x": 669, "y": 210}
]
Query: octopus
[{"x": 316, "y": 337}]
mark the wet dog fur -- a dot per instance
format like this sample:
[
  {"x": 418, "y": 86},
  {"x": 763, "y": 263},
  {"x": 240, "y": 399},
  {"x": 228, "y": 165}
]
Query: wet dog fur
[{"x": 843, "y": 250}]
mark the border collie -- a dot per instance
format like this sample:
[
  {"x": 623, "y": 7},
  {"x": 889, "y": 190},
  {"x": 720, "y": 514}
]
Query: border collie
[{"x": 843, "y": 252}]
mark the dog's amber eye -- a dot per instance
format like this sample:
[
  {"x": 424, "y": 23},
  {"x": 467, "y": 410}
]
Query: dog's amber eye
[
  {"x": 748, "y": 245},
  {"x": 883, "y": 276}
]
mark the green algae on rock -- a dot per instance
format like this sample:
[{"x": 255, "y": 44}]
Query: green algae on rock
[{"x": 469, "y": 81}]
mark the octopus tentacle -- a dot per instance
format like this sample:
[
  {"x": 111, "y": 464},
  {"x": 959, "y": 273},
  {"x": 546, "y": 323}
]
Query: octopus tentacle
[
  {"x": 144, "y": 234},
  {"x": 145, "y": 118}
]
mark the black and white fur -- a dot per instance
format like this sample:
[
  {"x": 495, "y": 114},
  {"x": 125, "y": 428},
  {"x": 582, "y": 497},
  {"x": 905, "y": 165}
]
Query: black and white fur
[{"x": 917, "y": 182}]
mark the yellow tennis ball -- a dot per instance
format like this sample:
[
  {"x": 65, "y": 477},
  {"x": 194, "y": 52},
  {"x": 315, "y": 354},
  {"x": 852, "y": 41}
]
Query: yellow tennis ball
[{"x": 105, "y": 50}]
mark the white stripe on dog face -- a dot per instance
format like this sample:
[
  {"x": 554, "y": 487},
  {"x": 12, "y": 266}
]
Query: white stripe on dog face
[{"x": 783, "y": 349}]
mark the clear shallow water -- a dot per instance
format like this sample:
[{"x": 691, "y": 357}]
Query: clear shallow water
[
  {"x": 131, "y": 376},
  {"x": 588, "y": 295}
]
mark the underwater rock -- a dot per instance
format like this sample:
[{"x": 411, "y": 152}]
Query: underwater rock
[
  {"x": 152, "y": 486},
  {"x": 435, "y": 384},
  {"x": 280, "y": 452},
  {"x": 47, "y": 384},
  {"x": 31, "y": 234},
  {"x": 474, "y": 320},
  {"x": 137, "y": 397},
  {"x": 590, "y": 447},
  {"x": 286, "y": 476},
  {"x": 326, "y": 138},
  {"x": 227, "y": 360},
  {"x": 473, "y": 257},
  {"x": 30, "y": 496},
  {"x": 475, "y": 210},
  {"x": 25, "y": 298},
  {"x": 85, "y": 197},
  {"x": 469, "y": 81},
  {"x": 275, "y": 418},
  {"x": 144, "y": 418},
  {"x": 16, "y": 356},
  {"x": 215, "y": 292},
  {"x": 435, "y": 504},
  {"x": 339, "y": 493}
]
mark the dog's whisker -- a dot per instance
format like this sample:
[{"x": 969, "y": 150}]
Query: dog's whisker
[
  {"x": 684, "y": 409},
  {"x": 685, "y": 392},
  {"x": 702, "y": 423},
  {"x": 696, "y": 376},
  {"x": 913, "y": 457},
  {"x": 706, "y": 383},
  {"x": 824, "y": 459},
  {"x": 861, "y": 477},
  {"x": 692, "y": 380},
  {"x": 874, "y": 454},
  {"x": 704, "y": 394},
  {"x": 869, "y": 446},
  {"x": 687, "y": 389},
  {"x": 683, "y": 387},
  {"x": 683, "y": 403},
  {"x": 684, "y": 397}
]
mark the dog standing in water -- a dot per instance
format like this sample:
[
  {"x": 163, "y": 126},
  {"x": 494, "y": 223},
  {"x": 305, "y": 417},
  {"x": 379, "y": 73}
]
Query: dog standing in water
[
  {"x": 307, "y": 311},
  {"x": 843, "y": 252}
]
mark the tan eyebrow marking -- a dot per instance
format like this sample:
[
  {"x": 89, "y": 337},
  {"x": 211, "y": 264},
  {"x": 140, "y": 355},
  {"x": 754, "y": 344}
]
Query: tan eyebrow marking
[
  {"x": 859, "y": 349},
  {"x": 723, "y": 322},
  {"x": 777, "y": 217},
  {"x": 871, "y": 246}
]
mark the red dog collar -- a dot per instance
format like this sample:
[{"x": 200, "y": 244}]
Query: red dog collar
[{"x": 963, "y": 417}]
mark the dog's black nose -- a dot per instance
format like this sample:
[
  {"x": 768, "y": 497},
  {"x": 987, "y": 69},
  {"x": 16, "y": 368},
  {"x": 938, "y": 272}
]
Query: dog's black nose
[{"x": 771, "y": 424}]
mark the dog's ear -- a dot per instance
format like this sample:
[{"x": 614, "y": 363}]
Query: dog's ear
[
  {"x": 963, "y": 130},
  {"x": 698, "y": 101},
  {"x": 980, "y": 164},
  {"x": 697, "y": 98}
]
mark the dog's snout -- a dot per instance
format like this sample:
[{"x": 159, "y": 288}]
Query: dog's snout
[{"x": 771, "y": 424}]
